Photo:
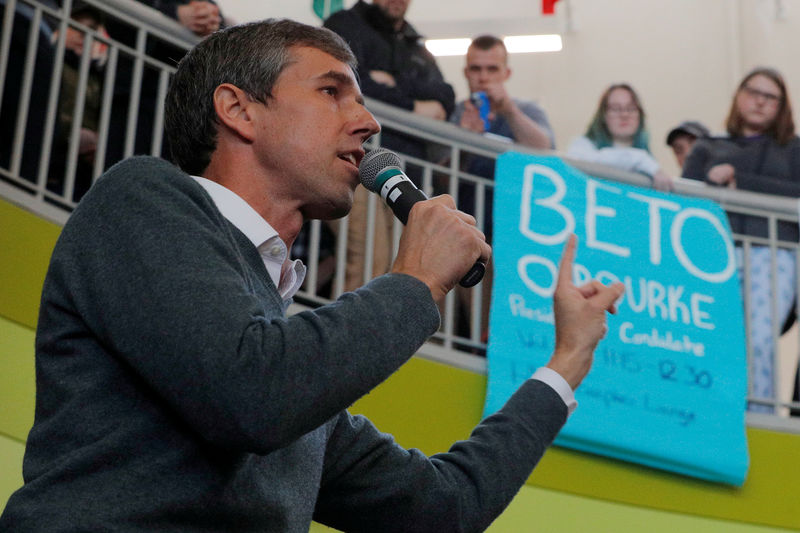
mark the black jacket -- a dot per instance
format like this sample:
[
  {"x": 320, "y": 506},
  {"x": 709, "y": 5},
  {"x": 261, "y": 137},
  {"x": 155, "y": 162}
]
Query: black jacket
[
  {"x": 762, "y": 165},
  {"x": 377, "y": 46}
]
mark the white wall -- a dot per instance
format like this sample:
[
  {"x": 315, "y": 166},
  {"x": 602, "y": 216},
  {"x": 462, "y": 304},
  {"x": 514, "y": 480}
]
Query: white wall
[{"x": 684, "y": 57}]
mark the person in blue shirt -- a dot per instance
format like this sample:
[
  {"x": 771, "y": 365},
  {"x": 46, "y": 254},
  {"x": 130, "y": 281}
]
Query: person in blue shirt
[{"x": 487, "y": 71}]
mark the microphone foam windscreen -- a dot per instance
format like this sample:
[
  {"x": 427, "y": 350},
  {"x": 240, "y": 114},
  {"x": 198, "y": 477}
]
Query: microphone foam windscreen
[{"x": 373, "y": 163}]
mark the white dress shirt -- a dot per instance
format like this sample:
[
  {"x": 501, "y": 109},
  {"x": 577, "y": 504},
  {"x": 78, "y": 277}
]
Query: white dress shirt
[
  {"x": 558, "y": 384},
  {"x": 286, "y": 274}
]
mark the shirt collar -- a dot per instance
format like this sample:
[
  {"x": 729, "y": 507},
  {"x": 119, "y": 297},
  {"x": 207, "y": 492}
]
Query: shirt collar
[{"x": 286, "y": 274}]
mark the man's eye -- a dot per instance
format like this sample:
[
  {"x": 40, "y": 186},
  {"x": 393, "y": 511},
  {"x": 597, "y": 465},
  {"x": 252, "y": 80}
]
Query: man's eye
[{"x": 333, "y": 91}]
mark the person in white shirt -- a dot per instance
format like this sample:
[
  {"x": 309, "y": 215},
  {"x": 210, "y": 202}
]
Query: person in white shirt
[{"x": 617, "y": 136}]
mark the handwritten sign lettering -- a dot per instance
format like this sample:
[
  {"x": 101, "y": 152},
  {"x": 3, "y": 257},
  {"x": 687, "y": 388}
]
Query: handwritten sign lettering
[{"x": 668, "y": 385}]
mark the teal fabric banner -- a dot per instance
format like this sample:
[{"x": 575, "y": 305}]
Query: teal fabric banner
[{"x": 668, "y": 386}]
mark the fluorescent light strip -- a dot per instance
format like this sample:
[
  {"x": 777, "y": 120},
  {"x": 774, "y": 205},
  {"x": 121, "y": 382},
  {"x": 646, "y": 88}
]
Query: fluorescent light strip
[
  {"x": 521, "y": 44},
  {"x": 516, "y": 44},
  {"x": 447, "y": 47}
]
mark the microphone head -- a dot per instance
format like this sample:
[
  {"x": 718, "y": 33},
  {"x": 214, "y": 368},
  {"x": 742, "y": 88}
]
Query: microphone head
[{"x": 373, "y": 164}]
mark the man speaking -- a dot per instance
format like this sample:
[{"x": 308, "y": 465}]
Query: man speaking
[{"x": 172, "y": 392}]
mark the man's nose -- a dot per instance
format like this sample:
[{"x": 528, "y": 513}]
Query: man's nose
[{"x": 364, "y": 124}]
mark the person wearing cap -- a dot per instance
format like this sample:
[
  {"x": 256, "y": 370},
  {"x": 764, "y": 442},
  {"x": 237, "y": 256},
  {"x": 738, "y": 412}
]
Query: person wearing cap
[{"x": 682, "y": 137}]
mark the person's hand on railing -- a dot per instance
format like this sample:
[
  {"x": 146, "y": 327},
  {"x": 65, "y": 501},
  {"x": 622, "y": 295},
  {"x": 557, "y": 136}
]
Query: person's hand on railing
[
  {"x": 722, "y": 175},
  {"x": 430, "y": 108},
  {"x": 383, "y": 77},
  {"x": 200, "y": 17},
  {"x": 662, "y": 181}
]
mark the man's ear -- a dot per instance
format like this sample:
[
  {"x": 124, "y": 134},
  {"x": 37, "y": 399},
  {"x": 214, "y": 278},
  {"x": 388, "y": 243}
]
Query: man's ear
[
  {"x": 235, "y": 110},
  {"x": 508, "y": 74}
]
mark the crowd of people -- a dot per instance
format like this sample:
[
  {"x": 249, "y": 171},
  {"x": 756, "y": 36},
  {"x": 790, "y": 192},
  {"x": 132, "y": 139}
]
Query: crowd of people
[
  {"x": 759, "y": 150},
  {"x": 132, "y": 121},
  {"x": 184, "y": 398}
]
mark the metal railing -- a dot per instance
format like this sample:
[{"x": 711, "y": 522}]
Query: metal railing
[
  {"x": 33, "y": 36},
  {"x": 42, "y": 156}
]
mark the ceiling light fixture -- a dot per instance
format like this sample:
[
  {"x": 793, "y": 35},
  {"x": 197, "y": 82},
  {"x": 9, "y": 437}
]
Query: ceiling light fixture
[
  {"x": 516, "y": 44},
  {"x": 447, "y": 47},
  {"x": 521, "y": 44}
]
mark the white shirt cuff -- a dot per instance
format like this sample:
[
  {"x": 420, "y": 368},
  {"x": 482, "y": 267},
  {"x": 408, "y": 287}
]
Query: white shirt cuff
[{"x": 552, "y": 378}]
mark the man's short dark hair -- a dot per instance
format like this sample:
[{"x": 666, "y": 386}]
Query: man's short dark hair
[
  {"x": 251, "y": 57},
  {"x": 487, "y": 42}
]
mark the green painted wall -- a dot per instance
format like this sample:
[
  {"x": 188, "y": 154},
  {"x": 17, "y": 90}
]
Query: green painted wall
[
  {"x": 26, "y": 242},
  {"x": 429, "y": 406},
  {"x": 10, "y": 467},
  {"x": 567, "y": 513},
  {"x": 17, "y": 379},
  {"x": 537, "y": 509}
]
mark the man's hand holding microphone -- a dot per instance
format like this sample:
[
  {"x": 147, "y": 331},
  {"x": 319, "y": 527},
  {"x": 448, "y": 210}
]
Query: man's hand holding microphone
[{"x": 442, "y": 246}]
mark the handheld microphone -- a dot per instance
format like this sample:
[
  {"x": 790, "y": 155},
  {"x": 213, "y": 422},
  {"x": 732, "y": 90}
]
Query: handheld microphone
[{"x": 380, "y": 173}]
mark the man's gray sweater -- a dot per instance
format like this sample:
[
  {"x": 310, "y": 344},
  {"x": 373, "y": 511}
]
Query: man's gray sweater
[{"x": 174, "y": 395}]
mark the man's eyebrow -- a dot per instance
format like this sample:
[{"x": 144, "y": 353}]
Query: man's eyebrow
[
  {"x": 339, "y": 77},
  {"x": 343, "y": 79}
]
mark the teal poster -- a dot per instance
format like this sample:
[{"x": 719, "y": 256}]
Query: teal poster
[{"x": 668, "y": 385}]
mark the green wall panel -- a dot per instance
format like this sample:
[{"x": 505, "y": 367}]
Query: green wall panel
[
  {"x": 10, "y": 467},
  {"x": 774, "y": 473},
  {"x": 17, "y": 379},
  {"x": 538, "y": 509},
  {"x": 26, "y": 243},
  {"x": 429, "y": 406}
]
